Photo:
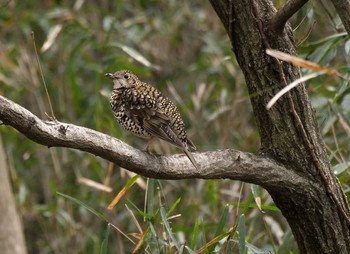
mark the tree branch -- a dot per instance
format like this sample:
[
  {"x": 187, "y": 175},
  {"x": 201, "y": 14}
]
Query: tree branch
[
  {"x": 278, "y": 21},
  {"x": 218, "y": 164}
]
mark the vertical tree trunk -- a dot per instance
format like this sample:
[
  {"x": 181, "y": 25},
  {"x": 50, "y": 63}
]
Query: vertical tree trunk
[
  {"x": 289, "y": 133},
  {"x": 11, "y": 232}
]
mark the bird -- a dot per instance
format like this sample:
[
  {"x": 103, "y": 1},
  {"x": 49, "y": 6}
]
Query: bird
[{"x": 143, "y": 110}]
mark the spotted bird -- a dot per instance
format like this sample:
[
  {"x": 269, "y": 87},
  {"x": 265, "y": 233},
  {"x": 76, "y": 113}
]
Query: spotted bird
[{"x": 141, "y": 109}]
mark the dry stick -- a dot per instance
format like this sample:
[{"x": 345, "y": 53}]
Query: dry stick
[
  {"x": 52, "y": 117},
  {"x": 299, "y": 123},
  {"x": 239, "y": 199},
  {"x": 307, "y": 34},
  {"x": 300, "y": 23}
]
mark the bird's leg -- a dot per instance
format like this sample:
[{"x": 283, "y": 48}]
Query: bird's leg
[{"x": 149, "y": 143}]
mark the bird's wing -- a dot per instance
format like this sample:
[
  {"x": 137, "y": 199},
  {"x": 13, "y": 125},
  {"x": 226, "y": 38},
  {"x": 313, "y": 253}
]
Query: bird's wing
[{"x": 150, "y": 115}]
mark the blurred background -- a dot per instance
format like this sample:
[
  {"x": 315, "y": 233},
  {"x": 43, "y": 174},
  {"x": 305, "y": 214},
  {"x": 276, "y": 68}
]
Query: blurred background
[{"x": 181, "y": 48}]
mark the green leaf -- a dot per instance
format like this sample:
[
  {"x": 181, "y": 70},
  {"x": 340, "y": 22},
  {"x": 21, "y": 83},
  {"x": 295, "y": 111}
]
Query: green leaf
[
  {"x": 104, "y": 244},
  {"x": 346, "y": 103},
  {"x": 189, "y": 250},
  {"x": 194, "y": 235},
  {"x": 229, "y": 247},
  {"x": 248, "y": 204},
  {"x": 150, "y": 195},
  {"x": 148, "y": 216},
  {"x": 131, "y": 181},
  {"x": 341, "y": 167},
  {"x": 316, "y": 44},
  {"x": 241, "y": 235},
  {"x": 347, "y": 47},
  {"x": 255, "y": 250},
  {"x": 99, "y": 215},
  {"x": 264, "y": 207},
  {"x": 256, "y": 193},
  {"x": 223, "y": 221},
  {"x": 153, "y": 230},
  {"x": 329, "y": 124},
  {"x": 173, "y": 207},
  {"x": 220, "y": 241},
  {"x": 168, "y": 229},
  {"x": 123, "y": 191}
]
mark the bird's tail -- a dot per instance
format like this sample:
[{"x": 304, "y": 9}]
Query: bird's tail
[{"x": 190, "y": 156}]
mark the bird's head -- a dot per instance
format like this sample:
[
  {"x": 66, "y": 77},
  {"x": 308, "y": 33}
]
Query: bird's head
[{"x": 123, "y": 79}]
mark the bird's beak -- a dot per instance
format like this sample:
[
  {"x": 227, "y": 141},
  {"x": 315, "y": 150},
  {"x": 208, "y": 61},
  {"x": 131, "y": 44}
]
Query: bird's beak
[{"x": 110, "y": 75}]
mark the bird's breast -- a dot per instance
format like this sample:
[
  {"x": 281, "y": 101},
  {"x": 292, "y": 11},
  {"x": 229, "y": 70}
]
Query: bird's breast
[{"x": 123, "y": 117}]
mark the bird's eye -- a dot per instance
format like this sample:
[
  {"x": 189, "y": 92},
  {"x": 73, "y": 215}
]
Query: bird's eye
[{"x": 126, "y": 76}]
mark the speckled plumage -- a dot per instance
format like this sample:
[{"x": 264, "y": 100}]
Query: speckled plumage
[{"x": 141, "y": 109}]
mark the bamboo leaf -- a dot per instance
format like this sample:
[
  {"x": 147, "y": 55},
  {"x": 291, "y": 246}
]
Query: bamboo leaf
[
  {"x": 104, "y": 244},
  {"x": 241, "y": 235},
  {"x": 173, "y": 206},
  {"x": 99, "y": 215},
  {"x": 264, "y": 207},
  {"x": 194, "y": 235},
  {"x": 255, "y": 191},
  {"x": 121, "y": 193},
  {"x": 223, "y": 220},
  {"x": 168, "y": 228}
]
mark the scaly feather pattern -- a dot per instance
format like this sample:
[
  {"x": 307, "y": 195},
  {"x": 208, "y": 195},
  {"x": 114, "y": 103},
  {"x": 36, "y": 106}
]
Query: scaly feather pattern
[{"x": 141, "y": 109}]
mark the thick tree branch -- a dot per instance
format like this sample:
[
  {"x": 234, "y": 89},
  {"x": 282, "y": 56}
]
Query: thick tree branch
[
  {"x": 343, "y": 9},
  {"x": 227, "y": 163},
  {"x": 278, "y": 21}
]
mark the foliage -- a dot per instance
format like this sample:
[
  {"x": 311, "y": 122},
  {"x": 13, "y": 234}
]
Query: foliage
[{"x": 182, "y": 48}]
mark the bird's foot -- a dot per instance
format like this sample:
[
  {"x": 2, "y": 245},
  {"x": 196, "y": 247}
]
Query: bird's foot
[{"x": 147, "y": 148}]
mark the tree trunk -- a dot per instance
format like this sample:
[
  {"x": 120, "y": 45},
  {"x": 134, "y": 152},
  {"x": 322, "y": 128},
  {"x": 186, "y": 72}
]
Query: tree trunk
[
  {"x": 317, "y": 214},
  {"x": 11, "y": 232}
]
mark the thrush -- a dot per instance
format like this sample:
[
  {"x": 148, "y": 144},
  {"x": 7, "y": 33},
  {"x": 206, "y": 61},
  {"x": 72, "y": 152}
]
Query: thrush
[{"x": 144, "y": 111}]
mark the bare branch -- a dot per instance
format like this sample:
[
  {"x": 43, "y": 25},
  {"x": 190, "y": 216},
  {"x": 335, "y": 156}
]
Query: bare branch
[
  {"x": 218, "y": 164},
  {"x": 278, "y": 21}
]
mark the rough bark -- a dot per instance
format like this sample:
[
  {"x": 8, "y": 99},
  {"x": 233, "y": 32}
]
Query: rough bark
[
  {"x": 318, "y": 215},
  {"x": 11, "y": 231}
]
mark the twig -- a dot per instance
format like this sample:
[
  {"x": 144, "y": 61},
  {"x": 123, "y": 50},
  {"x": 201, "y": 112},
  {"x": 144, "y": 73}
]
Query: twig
[
  {"x": 52, "y": 117},
  {"x": 278, "y": 21},
  {"x": 300, "y": 23},
  {"x": 306, "y": 36},
  {"x": 94, "y": 184}
]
